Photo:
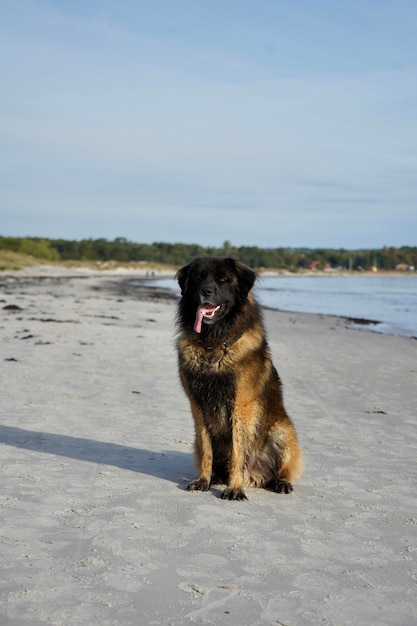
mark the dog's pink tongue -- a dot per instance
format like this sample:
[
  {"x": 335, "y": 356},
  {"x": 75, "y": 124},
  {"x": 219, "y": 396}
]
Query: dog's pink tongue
[{"x": 204, "y": 309}]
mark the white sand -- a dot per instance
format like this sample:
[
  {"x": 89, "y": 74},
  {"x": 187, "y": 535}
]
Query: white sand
[{"x": 96, "y": 451}]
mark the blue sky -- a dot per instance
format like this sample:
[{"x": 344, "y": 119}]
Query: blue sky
[{"x": 269, "y": 123}]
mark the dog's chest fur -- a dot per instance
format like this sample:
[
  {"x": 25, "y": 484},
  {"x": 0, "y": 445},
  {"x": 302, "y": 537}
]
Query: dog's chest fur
[{"x": 212, "y": 386}]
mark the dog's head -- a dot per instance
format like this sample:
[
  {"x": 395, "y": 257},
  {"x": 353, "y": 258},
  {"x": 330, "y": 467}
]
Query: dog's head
[{"x": 213, "y": 288}]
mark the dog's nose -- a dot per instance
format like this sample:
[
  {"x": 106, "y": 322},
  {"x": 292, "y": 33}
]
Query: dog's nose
[{"x": 206, "y": 291}]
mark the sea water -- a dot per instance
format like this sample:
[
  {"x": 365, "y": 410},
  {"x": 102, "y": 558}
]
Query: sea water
[{"x": 389, "y": 300}]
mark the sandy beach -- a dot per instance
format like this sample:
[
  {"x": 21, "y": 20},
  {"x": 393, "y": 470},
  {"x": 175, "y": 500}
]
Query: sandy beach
[{"x": 96, "y": 451}]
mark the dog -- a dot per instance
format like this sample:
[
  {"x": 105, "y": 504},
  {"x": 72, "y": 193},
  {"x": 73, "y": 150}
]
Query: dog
[{"x": 243, "y": 435}]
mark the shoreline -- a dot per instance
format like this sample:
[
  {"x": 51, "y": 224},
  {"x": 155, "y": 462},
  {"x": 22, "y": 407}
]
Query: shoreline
[
  {"x": 124, "y": 277},
  {"x": 148, "y": 271},
  {"x": 96, "y": 449},
  {"x": 357, "y": 322}
]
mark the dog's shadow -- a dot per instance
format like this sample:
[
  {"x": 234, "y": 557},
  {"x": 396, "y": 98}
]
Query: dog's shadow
[{"x": 172, "y": 465}]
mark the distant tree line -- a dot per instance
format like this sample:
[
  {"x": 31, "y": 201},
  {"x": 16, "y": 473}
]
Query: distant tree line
[{"x": 123, "y": 251}]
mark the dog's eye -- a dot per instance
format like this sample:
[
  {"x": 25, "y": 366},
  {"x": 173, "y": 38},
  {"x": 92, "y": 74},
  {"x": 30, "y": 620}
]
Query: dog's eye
[{"x": 223, "y": 279}]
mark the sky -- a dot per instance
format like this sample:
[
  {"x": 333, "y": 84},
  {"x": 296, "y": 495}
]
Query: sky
[{"x": 269, "y": 123}]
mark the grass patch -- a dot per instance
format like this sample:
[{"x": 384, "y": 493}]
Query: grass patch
[{"x": 15, "y": 261}]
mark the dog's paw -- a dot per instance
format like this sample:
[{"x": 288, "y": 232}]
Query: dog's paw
[
  {"x": 280, "y": 485},
  {"x": 200, "y": 484},
  {"x": 233, "y": 494}
]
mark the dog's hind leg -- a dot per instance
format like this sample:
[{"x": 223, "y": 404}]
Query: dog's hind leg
[{"x": 292, "y": 465}]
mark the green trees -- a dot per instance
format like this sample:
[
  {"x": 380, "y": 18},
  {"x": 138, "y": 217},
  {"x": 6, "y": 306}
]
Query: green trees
[
  {"x": 124, "y": 251},
  {"x": 38, "y": 248}
]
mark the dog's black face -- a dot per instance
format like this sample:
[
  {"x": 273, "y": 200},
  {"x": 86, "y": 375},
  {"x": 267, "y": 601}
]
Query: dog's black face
[{"x": 212, "y": 289}]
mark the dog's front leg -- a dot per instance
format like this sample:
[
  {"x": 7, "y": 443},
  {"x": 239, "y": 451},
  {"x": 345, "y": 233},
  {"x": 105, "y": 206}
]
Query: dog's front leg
[
  {"x": 203, "y": 452},
  {"x": 234, "y": 490}
]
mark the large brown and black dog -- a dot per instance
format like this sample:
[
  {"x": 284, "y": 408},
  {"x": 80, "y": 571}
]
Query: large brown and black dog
[{"x": 244, "y": 436}]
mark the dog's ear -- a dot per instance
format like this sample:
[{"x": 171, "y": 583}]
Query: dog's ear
[
  {"x": 246, "y": 277},
  {"x": 182, "y": 277}
]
